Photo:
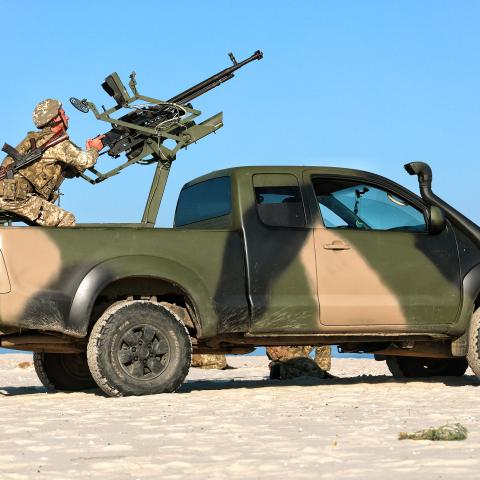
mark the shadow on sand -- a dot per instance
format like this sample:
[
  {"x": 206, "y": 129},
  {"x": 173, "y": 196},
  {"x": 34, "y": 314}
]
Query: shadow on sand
[
  {"x": 232, "y": 384},
  {"x": 195, "y": 385}
]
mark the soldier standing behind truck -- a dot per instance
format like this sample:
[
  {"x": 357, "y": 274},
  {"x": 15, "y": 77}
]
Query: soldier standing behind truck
[
  {"x": 31, "y": 190},
  {"x": 283, "y": 364}
]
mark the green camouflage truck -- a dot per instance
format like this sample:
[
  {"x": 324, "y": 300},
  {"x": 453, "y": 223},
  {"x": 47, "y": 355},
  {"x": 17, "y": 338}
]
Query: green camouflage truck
[{"x": 258, "y": 256}]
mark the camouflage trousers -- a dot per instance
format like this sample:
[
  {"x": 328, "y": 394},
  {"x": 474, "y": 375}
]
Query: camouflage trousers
[
  {"x": 282, "y": 354},
  {"x": 209, "y": 361},
  {"x": 39, "y": 211},
  {"x": 292, "y": 362}
]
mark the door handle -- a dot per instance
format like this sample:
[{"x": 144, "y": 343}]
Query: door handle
[{"x": 336, "y": 245}]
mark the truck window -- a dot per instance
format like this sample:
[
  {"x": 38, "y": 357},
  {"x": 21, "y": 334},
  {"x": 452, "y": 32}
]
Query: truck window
[
  {"x": 360, "y": 206},
  {"x": 203, "y": 201},
  {"x": 278, "y": 200}
]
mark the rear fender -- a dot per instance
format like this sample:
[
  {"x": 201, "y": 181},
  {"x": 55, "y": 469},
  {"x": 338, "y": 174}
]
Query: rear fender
[{"x": 115, "y": 269}]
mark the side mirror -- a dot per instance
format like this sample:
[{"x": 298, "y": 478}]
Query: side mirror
[{"x": 436, "y": 221}]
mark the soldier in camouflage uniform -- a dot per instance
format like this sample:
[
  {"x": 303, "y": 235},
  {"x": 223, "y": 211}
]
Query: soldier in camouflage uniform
[
  {"x": 291, "y": 362},
  {"x": 32, "y": 191}
]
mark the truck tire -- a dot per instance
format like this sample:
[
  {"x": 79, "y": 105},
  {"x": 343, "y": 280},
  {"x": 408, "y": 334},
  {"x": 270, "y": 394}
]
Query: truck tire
[
  {"x": 63, "y": 371},
  {"x": 473, "y": 351},
  {"x": 139, "y": 348},
  {"x": 411, "y": 367}
]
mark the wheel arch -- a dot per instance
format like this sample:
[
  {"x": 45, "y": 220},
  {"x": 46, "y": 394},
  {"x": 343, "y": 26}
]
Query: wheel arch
[
  {"x": 140, "y": 266},
  {"x": 470, "y": 300}
]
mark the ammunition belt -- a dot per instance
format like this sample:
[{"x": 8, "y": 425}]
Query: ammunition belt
[{"x": 15, "y": 189}]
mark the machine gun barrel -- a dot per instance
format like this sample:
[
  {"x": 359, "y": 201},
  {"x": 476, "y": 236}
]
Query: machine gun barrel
[{"x": 214, "y": 80}]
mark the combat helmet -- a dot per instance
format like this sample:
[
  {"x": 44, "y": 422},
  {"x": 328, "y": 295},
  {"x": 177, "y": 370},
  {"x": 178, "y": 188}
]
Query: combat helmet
[{"x": 45, "y": 111}]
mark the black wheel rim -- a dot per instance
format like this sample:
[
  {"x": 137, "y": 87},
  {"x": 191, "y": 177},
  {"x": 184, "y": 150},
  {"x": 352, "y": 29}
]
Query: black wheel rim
[{"x": 143, "y": 352}]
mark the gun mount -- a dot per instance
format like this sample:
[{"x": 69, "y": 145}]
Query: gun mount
[{"x": 141, "y": 133}]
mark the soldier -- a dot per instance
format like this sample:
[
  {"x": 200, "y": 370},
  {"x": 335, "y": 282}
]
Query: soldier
[
  {"x": 32, "y": 191},
  {"x": 291, "y": 362}
]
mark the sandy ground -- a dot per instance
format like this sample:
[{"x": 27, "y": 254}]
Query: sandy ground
[{"x": 237, "y": 424}]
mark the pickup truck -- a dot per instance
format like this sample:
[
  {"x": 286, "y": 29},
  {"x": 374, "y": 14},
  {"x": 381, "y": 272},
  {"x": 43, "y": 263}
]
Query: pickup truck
[{"x": 258, "y": 256}]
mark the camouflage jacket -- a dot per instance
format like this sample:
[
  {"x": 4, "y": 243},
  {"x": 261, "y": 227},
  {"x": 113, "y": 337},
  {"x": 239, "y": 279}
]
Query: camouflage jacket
[{"x": 64, "y": 159}]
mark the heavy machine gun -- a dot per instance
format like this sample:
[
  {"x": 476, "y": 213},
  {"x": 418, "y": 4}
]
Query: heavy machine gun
[{"x": 141, "y": 133}]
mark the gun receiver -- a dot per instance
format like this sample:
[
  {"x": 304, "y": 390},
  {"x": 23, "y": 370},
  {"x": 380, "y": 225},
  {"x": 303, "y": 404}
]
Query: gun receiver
[{"x": 140, "y": 134}]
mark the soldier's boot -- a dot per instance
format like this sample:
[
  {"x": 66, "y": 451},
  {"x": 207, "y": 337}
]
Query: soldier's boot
[{"x": 209, "y": 361}]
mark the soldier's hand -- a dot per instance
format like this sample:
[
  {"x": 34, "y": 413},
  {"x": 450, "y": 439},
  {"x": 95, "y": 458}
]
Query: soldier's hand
[{"x": 95, "y": 143}]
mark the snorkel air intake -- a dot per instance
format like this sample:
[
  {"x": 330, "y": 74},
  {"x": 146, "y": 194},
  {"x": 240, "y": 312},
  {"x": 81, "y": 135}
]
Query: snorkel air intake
[{"x": 424, "y": 174}]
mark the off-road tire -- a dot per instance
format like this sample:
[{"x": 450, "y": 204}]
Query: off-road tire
[
  {"x": 473, "y": 351},
  {"x": 126, "y": 358},
  {"x": 422, "y": 367},
  {"x": 64, "y": 371}
]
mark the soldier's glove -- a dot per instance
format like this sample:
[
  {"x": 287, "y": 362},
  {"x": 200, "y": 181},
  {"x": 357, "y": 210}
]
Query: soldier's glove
[{"x": 95, "y": 143}]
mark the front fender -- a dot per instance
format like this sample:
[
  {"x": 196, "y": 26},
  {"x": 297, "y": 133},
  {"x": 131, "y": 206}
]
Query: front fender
[
  {"x": 137, "y": 266},
  {"x": 471, "y": 291}
]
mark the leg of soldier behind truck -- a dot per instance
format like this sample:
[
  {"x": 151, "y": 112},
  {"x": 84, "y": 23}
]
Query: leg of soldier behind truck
[
  {"x": 294, "y": 361},
  {"x": 39, "y": 211},
  {"x": 323, "y": 357},
  {"x": 209, "y": 361}
]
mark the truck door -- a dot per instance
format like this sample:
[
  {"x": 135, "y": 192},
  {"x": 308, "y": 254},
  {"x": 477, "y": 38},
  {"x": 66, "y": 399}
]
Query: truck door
[
  {"x": 376, "y": 262},
  {"x": 280, "y": 256}
]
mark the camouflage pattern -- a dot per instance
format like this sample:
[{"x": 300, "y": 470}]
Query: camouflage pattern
[
  {"x": 37, "y": 210},
  {"x": 244, "y": 281},
  {"x": 296, "y": 367},
  {"x": 209, "y": 361},
  {"x": 323, "y": 357},
  {"x": 45, "y": 111},
  {"x": 448, "y": 432},
  {"x": 283, "y": 354},
  {"x": 44, "y": 178}
]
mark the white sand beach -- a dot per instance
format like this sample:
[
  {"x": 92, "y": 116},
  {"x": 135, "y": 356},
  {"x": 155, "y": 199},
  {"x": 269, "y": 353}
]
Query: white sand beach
[{"x": 237, "y": 424}]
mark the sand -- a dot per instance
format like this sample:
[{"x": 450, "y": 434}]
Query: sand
[{"x": 237, "y": 424}]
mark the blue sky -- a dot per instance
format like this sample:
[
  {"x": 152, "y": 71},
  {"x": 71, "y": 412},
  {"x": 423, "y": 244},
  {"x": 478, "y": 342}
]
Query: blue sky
[{"x": 369, "y": 85}]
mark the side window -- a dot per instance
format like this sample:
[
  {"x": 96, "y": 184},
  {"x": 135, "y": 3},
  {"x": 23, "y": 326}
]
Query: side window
[
  {"x": 355, "y": 205},
  {"x": 203, "y": 201},
  {"x": 278, "y": 200}
]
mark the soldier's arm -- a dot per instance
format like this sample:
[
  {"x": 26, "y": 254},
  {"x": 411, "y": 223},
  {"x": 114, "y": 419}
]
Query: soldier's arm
[{"x": 74, "y": 156}]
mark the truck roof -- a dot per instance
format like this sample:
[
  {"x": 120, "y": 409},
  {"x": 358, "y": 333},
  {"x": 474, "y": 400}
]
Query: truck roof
[{"x": 293, "y": 169}]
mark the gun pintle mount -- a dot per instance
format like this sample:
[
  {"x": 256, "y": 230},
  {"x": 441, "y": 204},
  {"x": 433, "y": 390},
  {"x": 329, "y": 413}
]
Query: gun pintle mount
[{"x": 140, "y": 133}]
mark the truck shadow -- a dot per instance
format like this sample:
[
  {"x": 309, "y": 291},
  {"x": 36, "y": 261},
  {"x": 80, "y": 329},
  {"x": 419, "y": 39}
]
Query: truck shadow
[
  {"x": 11, "y": 391},
  {"x": 232, "y": 384}
]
